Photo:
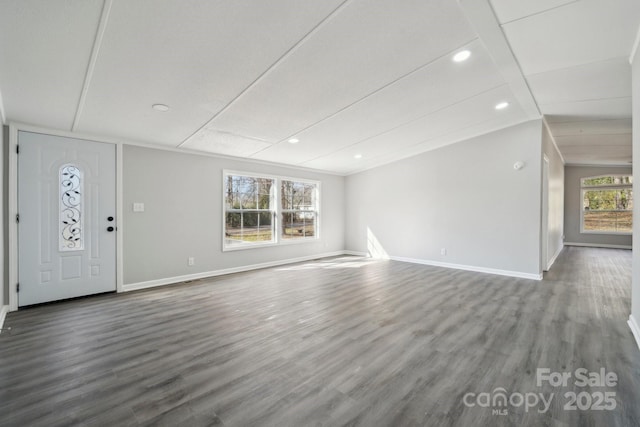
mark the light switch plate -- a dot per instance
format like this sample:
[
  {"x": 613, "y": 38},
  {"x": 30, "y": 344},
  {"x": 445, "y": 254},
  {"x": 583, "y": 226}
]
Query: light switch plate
[{"x": 138, "y": 207}]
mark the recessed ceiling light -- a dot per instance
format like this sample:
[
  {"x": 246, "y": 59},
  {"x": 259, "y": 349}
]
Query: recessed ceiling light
[
  {"x": 502, "y": 105},
  {"x": 461, "y": 56},
  {"x": 294, "y": 140},
  {"x": 160, "y": 107},
  {"x": 357, "y": 156}
]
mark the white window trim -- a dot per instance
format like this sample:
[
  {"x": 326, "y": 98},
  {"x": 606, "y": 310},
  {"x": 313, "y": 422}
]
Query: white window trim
[
  {"x": 277, "y": 210},
  {"x": 586, "y": 188}
]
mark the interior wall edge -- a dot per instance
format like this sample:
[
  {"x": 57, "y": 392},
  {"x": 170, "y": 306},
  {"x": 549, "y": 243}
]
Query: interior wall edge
[{"x": 555, "y": 257}]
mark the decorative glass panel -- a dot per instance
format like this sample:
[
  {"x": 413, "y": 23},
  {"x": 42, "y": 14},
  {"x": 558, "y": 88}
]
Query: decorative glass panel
[{"x": 71, "y": 209}]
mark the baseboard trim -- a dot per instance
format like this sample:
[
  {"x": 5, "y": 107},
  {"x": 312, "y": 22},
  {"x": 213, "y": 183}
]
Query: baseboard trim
[
  {"x": 554, "y": 258},
  {"x": 355, "y": 253},
  {"x": 598, "y": 245},
  {"x": 178, "y": 279},
  {"x": 187, "y": 277},
  {"x": 635, "y": 329},
  {"x": 499, "y": 272},
  {"x": 4, "y": 309}
]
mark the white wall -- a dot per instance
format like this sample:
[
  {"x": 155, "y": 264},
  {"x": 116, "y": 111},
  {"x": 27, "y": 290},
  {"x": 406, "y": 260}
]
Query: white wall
[
  {"x": 573, "y": 206},
  {"x": 556, "y": 197},
  {"x": 4, "y": 290},
  {"x": 466, "y": 198},
  {"x": 182, "y": 194},
  {"x": 635, "y": 289}
]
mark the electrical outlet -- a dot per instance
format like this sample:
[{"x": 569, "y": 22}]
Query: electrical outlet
[
  {"x": 443, "y": 251},
  {"x": 191, "y": 261},
  {"x": 138, "y": 207}
]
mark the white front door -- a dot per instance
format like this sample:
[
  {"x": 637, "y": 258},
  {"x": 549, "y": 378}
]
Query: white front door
[{"x": 66, "y": 208}]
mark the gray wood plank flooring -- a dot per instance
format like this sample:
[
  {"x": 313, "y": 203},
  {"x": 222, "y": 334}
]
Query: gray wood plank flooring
[{"x": 335, "y": 342}]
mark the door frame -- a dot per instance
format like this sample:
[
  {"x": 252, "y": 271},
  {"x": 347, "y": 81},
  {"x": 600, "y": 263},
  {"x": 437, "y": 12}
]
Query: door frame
[
  {"x": 14, "y": 128},
  {"x": 544, "y": 240}
]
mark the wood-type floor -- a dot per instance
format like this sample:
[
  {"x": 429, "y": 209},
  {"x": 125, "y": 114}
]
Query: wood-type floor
[{"x": 336, "y": 342}]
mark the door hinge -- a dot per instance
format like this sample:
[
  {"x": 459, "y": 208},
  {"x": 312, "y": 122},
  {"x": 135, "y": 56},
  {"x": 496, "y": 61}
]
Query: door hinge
[
  {"x": 18, "y": 217},
  {"x": 17, "y": 287},
  {"x": 17, "y": 149}
]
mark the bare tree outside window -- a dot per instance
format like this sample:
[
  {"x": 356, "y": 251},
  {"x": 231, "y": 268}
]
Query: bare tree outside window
[
  {"x": 249, "y": 210},
  {"x": 299, "y": 209}
]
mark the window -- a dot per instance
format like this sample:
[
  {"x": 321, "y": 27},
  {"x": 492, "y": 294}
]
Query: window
[
  {"x": 264, "y": 210},
  {"x": 249, "y": 211},
  {"x": 299, "y": 209},
  {"x": 607, "y": 204}
]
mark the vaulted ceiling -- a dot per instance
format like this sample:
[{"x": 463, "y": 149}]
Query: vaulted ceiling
[{"x": 358, "y": 83}]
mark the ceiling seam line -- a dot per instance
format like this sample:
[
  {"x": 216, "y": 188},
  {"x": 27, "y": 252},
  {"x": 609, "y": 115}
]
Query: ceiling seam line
[
  {"x": 517, "y": 62},
  {"x": 409, "y": 122},
  {"x": 484, "y": 20},
  {"x": 97, "y": 43},
  {"x": 273, "y": 66},
  {"x": 539, "y": 13},
  {"x": 370, "y": 94}
]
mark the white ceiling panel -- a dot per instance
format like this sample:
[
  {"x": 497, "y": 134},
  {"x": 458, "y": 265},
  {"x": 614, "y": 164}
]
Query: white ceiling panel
[
  {"x": 462, "y": 115},
  {"x": 591, "y": 127},
  {"x": 195, "y": 56},
  {"x": 44, "y": 53},
  {"x": 596, "y": 149},
  {"x": 599, "y": 155},
  {"x": 510, "y": 10},
  {"x": 361, "y": 49},
  {"x": 345, "y": 77},
  {"x": 618, "y": 108},
  {"x": 449, "y": 125},
  {"x": 226, "y": 143},
  {"x": 455, "y": 136},
  {"x": 581, "y": 32},
  {"x": 345, "y": 163},
  {"x": 432, "y": 88},
  {"x": 589, "y": 140},
  {"x": 593, "y": 81}
]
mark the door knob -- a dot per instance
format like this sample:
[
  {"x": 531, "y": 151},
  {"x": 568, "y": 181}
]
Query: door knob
[
  {"x": 110, "y": 218},
  {"x": 110, "y": 229}
]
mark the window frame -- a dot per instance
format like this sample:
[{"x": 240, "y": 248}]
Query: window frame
[
  {"x": 276, "y": 209},
  {"x": 281, "y": 210},
  {"x": 585, "y": 188}
]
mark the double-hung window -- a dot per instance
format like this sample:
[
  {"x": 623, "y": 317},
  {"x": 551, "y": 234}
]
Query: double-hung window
[
  {"x": 299, "y": 209},
  {"x": 249, "y": 210},
  {"x": 266, "y": 210},
  {"x": 607, "y": 204}
]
